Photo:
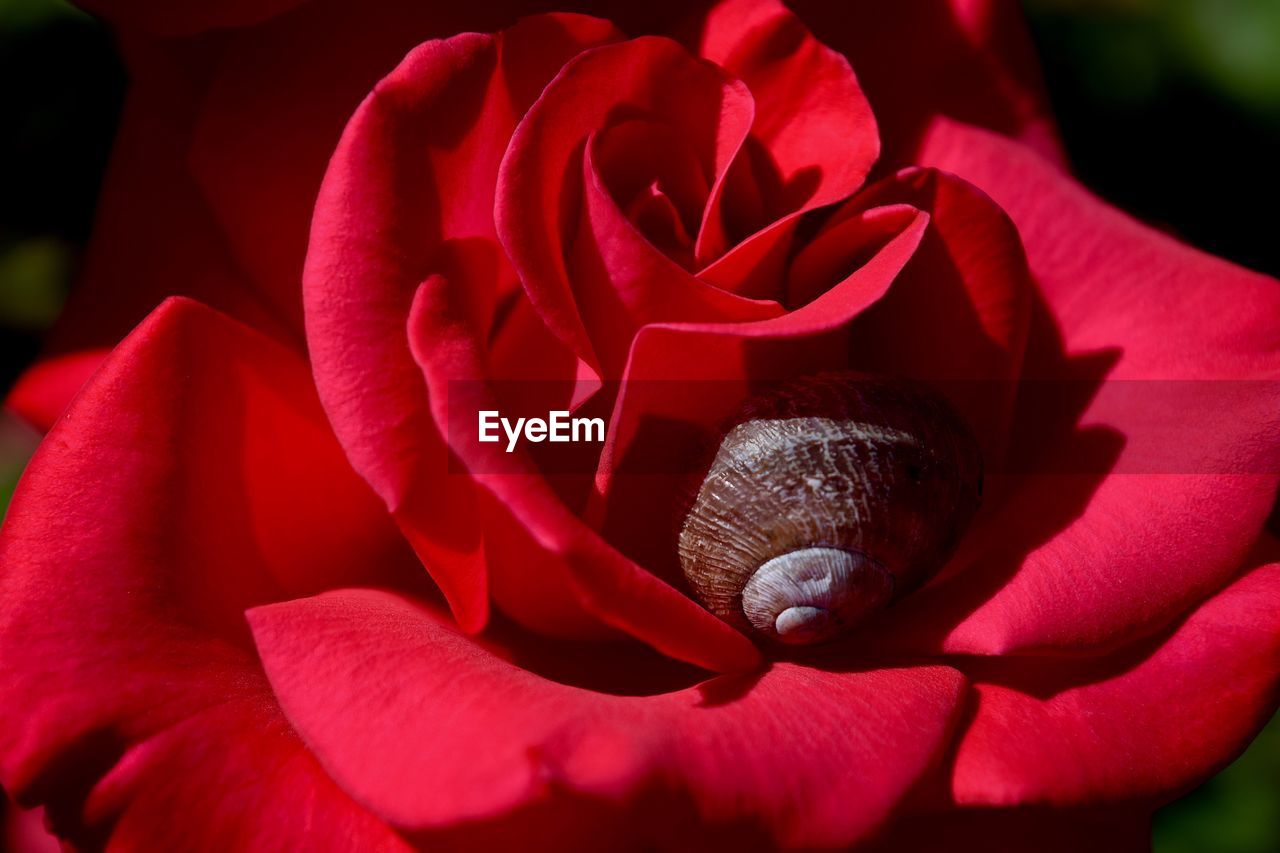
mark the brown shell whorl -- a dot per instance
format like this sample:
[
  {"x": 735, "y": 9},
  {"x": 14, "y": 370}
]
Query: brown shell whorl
[{"x": 825, "y": 500}]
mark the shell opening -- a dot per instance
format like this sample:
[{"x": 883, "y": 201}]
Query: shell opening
[{"x": 812, "y": 594}]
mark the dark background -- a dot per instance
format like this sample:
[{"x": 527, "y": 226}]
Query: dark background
[{"x": 1169, "y": 108}]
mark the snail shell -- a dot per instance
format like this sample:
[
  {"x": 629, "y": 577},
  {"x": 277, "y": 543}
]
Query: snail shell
[{"x": 826, "y": 499}]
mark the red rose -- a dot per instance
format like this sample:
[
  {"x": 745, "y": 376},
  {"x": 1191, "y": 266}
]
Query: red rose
[{"x": 558, "y": 216}]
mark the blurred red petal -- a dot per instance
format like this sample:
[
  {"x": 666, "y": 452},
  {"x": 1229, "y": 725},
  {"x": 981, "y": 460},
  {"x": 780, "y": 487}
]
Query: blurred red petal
[
  {"x": 42, "y": 392},
  {"x": 24, "y": 830},
  {"x": 153, "y": 234},
  {"x": 194, "y": 477}
]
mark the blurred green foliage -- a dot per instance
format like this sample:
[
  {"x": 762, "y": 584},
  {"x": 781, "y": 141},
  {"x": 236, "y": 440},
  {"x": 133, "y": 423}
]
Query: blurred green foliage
[
  {"x": 61, "y": 87},
  {"x": 17, "y": 442},
  {"x": 1130, "y": 50},
  {"x": 1233, "y": 46},
  {"x": 22, "y": 16},
  {"x": 52, "y": 152},
  {"x": 1237, "y": 811},
  {"x": 33, "y": 277},
  {"x": 1171, "y": 109}
]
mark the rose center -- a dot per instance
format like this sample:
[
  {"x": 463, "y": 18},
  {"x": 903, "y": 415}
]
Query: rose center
[
  {"x": 657, "y": 180},
  {"x": 655, "y": 215}
]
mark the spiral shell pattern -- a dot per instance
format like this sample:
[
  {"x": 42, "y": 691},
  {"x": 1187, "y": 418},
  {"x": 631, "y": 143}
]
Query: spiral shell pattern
[{"x": 824, "y": 501}]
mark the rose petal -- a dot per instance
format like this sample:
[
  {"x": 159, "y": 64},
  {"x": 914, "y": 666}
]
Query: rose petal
[
  {"x": 153, "y": 234},
  {"x": 577, "y": 572},
  {"x": 277, "y": 106},
  {"x": 409, "y": 190},
  {"x": 638, "y": 155},
  {"x": 193, "y": 477},
  {"x": 1137, "y": 309},
  {"x": 684, "y": 380},
  {"x": 972, "y": 60},
  {"x": 648, "y": 77},
  {"x": 24, "y": 830},
  {"x": 755, "y": 268},
  {"x": 1142, "y": 724},
  {"x": 817, "y": 135},
  {"x": 428, "y": 730},
  {"x": 959, "y": 314},
  {"x": 943, "y": 298},
  {"x": 42, "y": 392},
  {"x": 621, "y": 281}
]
